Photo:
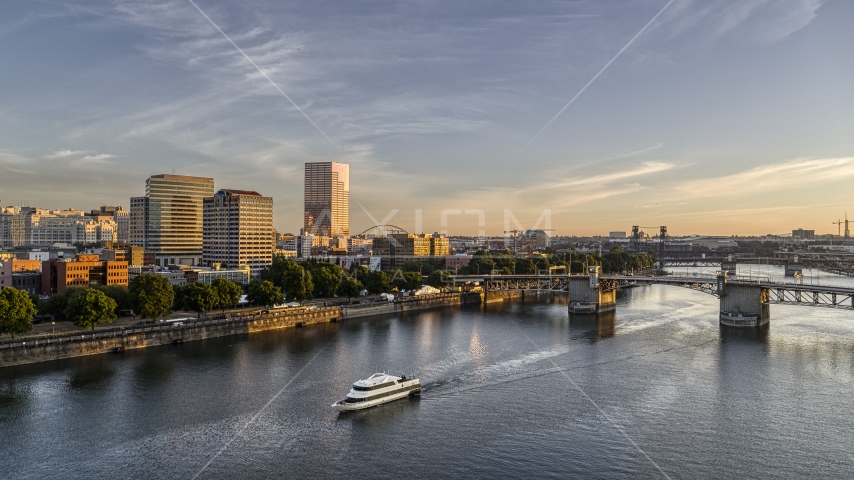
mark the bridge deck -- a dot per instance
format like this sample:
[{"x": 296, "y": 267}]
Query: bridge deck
[{"x": 778, "y": 292}]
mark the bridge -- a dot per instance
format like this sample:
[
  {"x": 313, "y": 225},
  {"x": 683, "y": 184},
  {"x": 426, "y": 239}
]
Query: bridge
[
  {"x": 744, "y": 301},
  {"x": 839, "y": 263}
]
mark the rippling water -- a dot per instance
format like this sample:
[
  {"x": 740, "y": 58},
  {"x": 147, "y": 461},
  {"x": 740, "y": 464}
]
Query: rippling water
[{"x": 514, "y": 390}]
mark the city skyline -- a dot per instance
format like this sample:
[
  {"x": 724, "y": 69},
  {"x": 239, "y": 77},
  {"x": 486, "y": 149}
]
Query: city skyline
[{"x": 716, "y": 119}]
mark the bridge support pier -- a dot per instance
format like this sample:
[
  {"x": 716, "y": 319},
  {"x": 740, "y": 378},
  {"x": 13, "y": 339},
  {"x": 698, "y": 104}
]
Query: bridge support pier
[
  {"x": 586, "y": 296},
  {"x": 743, "y": 305}
]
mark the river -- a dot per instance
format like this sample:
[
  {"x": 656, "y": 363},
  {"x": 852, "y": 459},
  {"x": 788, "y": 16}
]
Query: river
[{"x": 518, "y": 390}]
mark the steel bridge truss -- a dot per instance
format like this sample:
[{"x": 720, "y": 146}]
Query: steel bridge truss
[
  {"x": 550, "y": 284},
  {"x": 775, "y": 293},
  {"x": 811, "y": 297}
]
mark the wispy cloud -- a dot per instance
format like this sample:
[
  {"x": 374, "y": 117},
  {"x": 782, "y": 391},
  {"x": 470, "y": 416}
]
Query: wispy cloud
[
  {"x": 794, "y": 176},
  {"x": 756, "y": 20}
]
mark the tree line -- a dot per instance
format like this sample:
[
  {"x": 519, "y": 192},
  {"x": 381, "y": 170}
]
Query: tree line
[{"x": 615, "y": 261}]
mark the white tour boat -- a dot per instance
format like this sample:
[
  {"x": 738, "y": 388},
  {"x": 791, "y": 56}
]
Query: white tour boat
[{"x": 377, "y": 389}]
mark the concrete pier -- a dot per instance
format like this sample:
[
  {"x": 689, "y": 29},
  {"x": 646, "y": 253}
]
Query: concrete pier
[
  {"x": 587, "y": 296},
  {"x": 743, "y": 305}
]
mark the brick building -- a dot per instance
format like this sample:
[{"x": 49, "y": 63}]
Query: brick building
[{"x": 82, "y": 271}]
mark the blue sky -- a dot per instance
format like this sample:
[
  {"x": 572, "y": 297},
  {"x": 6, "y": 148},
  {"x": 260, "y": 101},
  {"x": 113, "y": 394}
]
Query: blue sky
[{"x": 721, "y": 117}]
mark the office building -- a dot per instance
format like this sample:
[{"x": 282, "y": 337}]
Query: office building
[
  {"x": 327, "y": 199},
  {"x": 238, "y": 229},
  {"x": 168, "y": 220}
]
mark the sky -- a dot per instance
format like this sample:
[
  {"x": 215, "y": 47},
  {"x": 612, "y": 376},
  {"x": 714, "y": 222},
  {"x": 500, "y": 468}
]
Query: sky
[{"x": 712, "y": 117}]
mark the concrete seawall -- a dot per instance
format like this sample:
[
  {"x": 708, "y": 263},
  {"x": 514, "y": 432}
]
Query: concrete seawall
[
  {"x": 117, "y": 340},
  {"x": 56, "y": 347},
  {"x": 412, "y": 303}
]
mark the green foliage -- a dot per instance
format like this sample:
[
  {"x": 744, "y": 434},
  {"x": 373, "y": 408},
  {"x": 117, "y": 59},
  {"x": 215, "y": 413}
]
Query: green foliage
[
  {"x": 350, "y": 287},
  {"x": 413, "y": 280},
  {"x": 291, "y": 277},
  {"x": 179, "y": 293},
  {"x": 151, "y": 295},
  {"x": 121, "y": 295},
  {"x": 481, "y": 263},
  {"x": 227, "y": 292},
  {"x": 199, "y": 297},
  {"x": 90, "y": 307},
  {"x": 439, "y": 279},
  {"x": 325, "y": 277},
  {"x": 359, "y": 272},
  {"x": 57, "y": 303},
  {"x": 265, "y": 293},
  {"x": 424, "y": 266},
  {"x": 525, "y": 266},
  {"x": 16, "y": 311},
  {"x": 377, "y": 282}
]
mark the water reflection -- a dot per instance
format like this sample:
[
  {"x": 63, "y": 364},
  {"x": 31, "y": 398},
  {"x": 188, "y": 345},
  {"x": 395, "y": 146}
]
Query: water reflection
[
  {"x": 594, "y": 326},
  {"x": 92, "y": 377},
  {"x": 747, "y": 335},
  {"x": 382, "y": 414}
]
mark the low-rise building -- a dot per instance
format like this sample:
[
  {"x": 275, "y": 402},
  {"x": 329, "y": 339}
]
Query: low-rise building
[
  {"x": 456, "y": 262},
  {"x": 176, "y": 278},
  {"x": 240, "y": 275},
  {"x": 82, "y": 271},
  {"x": 30, "y": 282}
]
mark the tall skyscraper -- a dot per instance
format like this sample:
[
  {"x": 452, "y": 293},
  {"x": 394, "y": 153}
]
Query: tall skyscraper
[
  {"x": 238, "y": 229},
  {"x": 327, "y": 199},
  {"x": 168, "y": 219}
]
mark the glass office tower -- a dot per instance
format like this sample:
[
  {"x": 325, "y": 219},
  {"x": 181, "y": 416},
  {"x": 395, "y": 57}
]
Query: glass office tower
[{"x": 327, "y": 199}]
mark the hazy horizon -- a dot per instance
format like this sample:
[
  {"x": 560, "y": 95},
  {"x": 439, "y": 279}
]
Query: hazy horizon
[{"x": 719, "y": 118}]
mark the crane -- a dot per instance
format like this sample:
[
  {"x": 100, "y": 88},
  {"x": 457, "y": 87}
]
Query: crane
[
  {"x": 838, "y": 224},
  {"x": 515, "y": 236}
]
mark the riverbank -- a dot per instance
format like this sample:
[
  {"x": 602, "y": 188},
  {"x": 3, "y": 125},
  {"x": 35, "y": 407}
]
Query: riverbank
[{"x": 116, "y": 340}]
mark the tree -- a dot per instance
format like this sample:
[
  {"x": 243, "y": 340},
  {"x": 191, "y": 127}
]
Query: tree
[
  {"x": 297, "y": 282},
  {"x": 419, "y": 266},
  {"x": 16, "y": 311},
  {"x": 350, "y": 287},
  {"x": 57, "y": 303},
  {"x": 524, "y": 266},
  {"x": 359, "y": 272},
  {"x": 439, "y": 279},
  {"x": 199, "y": 297},
  {"x": 121, "y": 295},
  {"x": 407, "y": 280},
  {"x": 325, "y": 277},
  {"x": 265, "y": 293},
  {"x": 227, "y": 292},
  {"x": 91, "y": 307},
  {"x": 152, "y": 295},
  {"x": 377, "y": 282},
  {"x": 291, "y": 277}
]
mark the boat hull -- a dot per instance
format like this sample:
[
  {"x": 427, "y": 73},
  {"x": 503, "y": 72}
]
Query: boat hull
[{"x": 343, "y": 406}]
